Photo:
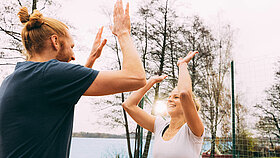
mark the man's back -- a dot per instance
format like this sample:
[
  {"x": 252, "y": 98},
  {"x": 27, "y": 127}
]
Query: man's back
[{"x": 37, "y": 106}]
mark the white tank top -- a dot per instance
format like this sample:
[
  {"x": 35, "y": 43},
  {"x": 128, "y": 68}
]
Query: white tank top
[{"x": 183, "y": 145}]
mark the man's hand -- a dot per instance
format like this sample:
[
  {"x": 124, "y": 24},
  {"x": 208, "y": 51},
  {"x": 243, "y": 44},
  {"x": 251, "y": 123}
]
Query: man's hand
[
  {"x": 121, "y": 19},
  {"x": 187, "y": 59},
  {"x": 96, "y": 49}
]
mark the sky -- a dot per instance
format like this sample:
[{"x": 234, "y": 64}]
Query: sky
[{"x": 256, "y": 24}]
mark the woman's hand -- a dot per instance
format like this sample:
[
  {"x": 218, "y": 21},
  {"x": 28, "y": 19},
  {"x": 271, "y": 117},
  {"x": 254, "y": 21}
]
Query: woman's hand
[
  {"x": 158, "y": 79},
  {"x": 187, "y": 59},
  {"x": 96, "y": 49},
  {"x": 121, "y": 19}
]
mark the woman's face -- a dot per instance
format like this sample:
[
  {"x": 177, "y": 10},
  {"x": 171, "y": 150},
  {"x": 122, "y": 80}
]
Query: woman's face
[{"x": 174, "y": 106}]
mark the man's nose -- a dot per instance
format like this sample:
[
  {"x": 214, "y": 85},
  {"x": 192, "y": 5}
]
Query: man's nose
[{"x": 72, "y": 58}]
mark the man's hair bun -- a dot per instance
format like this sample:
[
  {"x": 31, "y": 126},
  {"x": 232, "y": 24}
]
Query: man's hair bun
[
  {"x": 23, "y": 15},
  {"x": 31, "y": 22},
  {"x": 37, "y": 30}
]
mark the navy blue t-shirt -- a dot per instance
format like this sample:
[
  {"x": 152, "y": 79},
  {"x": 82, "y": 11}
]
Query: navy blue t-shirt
[{"x": 37, "y": 106}]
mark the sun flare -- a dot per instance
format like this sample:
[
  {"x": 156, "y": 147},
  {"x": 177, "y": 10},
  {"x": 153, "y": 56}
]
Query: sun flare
[{"x": 160, "y": 108}]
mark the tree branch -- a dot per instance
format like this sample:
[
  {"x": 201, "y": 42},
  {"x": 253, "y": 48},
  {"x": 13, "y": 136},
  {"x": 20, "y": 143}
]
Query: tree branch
[
  {"x": 8, "y": 64},
  {"x": 13, "y": 58},
  {"x": 11, "y": 33},
  {"x": 273, "y": 118},
  {"x": 7, "y": 48},
  {"x": 44, "y": 5},
  {"x": 19, "y": 3}
]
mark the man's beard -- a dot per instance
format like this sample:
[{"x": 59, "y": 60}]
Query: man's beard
[{"x": 62, "y": 56}]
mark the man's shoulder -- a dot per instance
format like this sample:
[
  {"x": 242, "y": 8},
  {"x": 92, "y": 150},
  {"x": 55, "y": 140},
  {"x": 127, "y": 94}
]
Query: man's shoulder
[
  {"x": 58, "y": 66},
  {"x": 65, "y": 70}
]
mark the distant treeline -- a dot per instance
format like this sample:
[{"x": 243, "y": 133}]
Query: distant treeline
[{"x": 100, "y": 135}]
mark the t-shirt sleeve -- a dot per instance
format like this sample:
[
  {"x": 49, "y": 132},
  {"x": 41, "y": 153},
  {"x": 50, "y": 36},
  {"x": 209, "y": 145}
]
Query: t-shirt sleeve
[
  {"x": 65, "y": 83},
  {"x": 159, "y": 124},
  {"x": 194, "y": 138}
]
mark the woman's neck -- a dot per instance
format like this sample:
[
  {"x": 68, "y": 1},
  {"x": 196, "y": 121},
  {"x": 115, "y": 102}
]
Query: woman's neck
[{"x": 176, "y": 123}]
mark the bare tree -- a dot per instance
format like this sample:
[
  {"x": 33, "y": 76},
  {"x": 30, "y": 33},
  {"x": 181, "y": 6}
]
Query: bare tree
[
  {"x": 10, "y": 25},
  {"x": 269, "y": 118},
  {"x": 214, "y": 86}
]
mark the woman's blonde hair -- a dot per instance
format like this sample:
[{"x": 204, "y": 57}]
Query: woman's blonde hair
[{"x": 37, "y": 29}]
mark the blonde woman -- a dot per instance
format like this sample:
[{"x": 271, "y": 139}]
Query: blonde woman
[{"x": 182, "y": 136}]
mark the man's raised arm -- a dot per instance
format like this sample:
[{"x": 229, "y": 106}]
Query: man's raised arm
[{"x": 132, "y": 75}]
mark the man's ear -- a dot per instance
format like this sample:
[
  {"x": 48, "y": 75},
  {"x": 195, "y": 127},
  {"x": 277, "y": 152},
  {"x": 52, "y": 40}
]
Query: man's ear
[{"x": 54, "y": 42}]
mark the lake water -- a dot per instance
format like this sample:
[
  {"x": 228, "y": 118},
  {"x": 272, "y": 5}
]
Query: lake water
[
  {"x": 101, "y": 148},
  {"x": 108, "y": 147}
]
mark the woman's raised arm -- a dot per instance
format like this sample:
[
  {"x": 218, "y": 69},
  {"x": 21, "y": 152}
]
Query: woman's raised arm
[
  {"x": 144, "y": 119},
  {"x": 185, "y": 91}
]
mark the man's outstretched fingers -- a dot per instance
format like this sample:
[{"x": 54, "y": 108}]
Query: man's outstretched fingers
[
  {"x": 115, "y": 8},
  {"x": 97, "y": 39},
  {"x": 127, "y": 9},
  {"x": 100, "y": 31},
  {"x": 119, "y": 9},
  {"x": 101, "y": 46},
  {"x": 103, "y": 43}
]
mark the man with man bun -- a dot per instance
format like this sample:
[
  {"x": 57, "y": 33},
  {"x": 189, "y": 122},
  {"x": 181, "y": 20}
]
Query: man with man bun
[{"x": 37, "y": 100}]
